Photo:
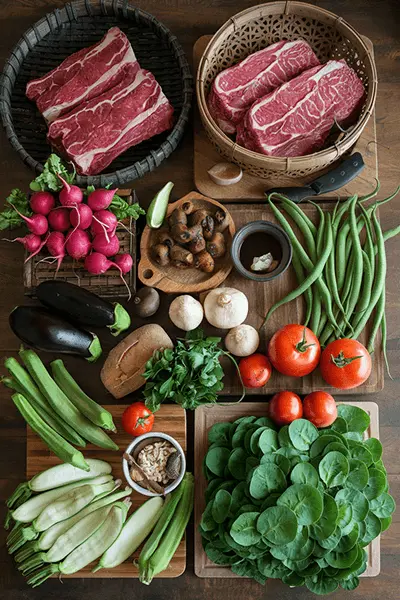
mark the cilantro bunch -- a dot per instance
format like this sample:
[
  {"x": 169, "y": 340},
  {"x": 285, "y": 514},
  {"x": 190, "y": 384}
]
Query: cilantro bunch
[{"x": 190, "y": 374}]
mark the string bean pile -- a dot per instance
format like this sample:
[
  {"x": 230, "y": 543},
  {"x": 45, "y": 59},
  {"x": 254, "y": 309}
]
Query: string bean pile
[{"x": 341, "y": 268}]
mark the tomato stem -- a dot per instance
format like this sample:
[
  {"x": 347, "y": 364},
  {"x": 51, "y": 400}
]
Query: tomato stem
[
  {"x": 302, "y": 346},
  {"x": 341, "y": 361},
  {"x": 141, "y": 421}
]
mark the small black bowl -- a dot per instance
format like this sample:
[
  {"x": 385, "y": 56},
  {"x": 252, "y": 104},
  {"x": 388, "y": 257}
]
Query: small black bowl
[{"x": 263, "y": 227}]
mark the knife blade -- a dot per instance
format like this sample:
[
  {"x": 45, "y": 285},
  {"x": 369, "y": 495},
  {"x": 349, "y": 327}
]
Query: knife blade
[{"x": 331, "y": 181}]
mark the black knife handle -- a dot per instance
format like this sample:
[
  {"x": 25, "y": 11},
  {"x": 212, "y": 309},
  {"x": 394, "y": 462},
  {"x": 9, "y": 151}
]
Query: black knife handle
[{"x": 339, "y": 176}]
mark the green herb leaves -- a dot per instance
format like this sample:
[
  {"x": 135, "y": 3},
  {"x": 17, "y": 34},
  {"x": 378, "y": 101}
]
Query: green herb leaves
[
  {"x": 48, "y": 179},
  {"x": 9, "y": 218},
  {"x": 123, "y": 210},
  {"x": 189, "y": 375},
  {"x": 298, "y": 504}
]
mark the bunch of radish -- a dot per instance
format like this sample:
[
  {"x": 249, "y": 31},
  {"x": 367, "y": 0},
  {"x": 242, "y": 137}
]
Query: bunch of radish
[{"x": 82, "y": 230}]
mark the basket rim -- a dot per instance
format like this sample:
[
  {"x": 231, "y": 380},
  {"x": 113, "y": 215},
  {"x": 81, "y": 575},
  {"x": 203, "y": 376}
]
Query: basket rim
[
  {"x": 287, "y": 7},
  {"x": 72, "y": 12}
]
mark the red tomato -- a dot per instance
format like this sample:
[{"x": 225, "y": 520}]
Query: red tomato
[
  {"x": 137, "y": 419},
  {"x": 345, "y": 364},
  {"x": 294, "y": 350},
  {"x": 285, "y": 407},
  {"x": 255, "y": 370},
  {"x": 320, "y": 409}
]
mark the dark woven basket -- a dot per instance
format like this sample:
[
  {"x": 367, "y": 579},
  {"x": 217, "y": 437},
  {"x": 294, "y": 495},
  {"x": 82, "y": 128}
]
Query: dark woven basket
[{"x": 79, "y": 24}]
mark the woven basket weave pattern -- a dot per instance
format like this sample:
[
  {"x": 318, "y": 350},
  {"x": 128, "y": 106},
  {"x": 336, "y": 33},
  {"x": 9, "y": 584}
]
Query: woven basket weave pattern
[
  {"x": 330, "y": 38},
  {"x": 78, "y": 25}
]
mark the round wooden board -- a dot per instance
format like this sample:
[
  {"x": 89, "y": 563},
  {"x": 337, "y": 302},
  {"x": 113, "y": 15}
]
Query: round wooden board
[{"x": 172, "y": 280}]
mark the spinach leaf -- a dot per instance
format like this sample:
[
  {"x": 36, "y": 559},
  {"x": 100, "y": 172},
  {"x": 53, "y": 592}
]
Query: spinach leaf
[
  {"x": 340, "y": 425},
  {"x": 372, "y": 529},
  {"x": 302, "y": 434},
  {"x": 347, "y": 542},
  {"x": 278, "y": 524},
  {"x": 265, "y": 479},
  {"x": 376, "y": 484},
  {"x": 349, "y": 584},
  {"x": 237, "y": 463},
  {"x": 337, "y": 447},
  {"x": 268, "y": 441},
  {"x": 305, "y": 501},
  {"x": 220, "y": 434},
  {"x": 319, "y": 445},
  {"x": 271, "y": 567},
  {"x": 304, "y": 473},
  {"x": 383, "y": 506},
  {"x": 221, "y": 506},
  {"x": 361, "y": 452},
  {"x": 326, "y": 524},
  {"x": 333, "y": 469},
  {"x": 217, "y": 459},
  {"x": 342, "y": 560},
  {"x": 244, "y": 529},
  {"x": 357, "y": 501},
  {"x": 217, "y": 556},
  {"x": 278, "y": 459},
  {"x": 321, "y": 584},
  {"x": 358, "y": 475},
  {"x": 283, "y": 437},
  {"x": 356, "y": 418}
]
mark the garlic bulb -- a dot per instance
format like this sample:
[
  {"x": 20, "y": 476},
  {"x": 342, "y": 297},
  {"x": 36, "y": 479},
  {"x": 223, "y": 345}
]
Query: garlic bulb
[
  {"x": 225, "y": 307},
  {"x": 242, "y": 340},
  {"x": 186, "y": 312}
]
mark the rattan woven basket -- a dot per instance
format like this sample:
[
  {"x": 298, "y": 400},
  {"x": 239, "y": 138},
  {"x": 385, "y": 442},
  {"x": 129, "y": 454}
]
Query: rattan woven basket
[
  {"x": 329, "y": 36},
  {"x": 77, "y": 25}
]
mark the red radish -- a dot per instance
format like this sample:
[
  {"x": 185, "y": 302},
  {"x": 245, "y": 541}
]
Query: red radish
[
  {"x": 105, "y": 222},
  {"x": 81, "y": 216},
  {"x": 70, "y": 194},
  {"x": 108, "y": 248},
  {"x": 100, "y": 199},
  {"x": 38, "y": 249},
  {"x": 55, "y": 245},
  {"x": 42, "y": 203},
  {"x": 36, "y": 224},
  {"x": 78, "y": 244},
  {"x": 97, "y": 264},
  {"x": 59, "y": 219},
  {"x": 124, "y": 261},
  {"x": 31, "y": 242}
]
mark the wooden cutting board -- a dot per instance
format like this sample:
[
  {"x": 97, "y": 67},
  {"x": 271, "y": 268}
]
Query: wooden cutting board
[
  {"x": 206, "y": 417},
  {"x": 261, "y": 297},
  {"x": 169, "y": 419},
  {"x": 251, "y": 188}
]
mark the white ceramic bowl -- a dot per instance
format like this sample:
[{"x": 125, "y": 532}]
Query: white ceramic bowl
[{"x": 153, "y": 436}]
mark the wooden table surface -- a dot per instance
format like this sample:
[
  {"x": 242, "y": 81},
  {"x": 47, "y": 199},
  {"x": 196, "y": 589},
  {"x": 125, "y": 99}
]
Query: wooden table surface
[{"x": 189, "y": 19}]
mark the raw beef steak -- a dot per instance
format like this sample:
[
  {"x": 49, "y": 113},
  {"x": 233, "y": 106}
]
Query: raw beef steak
[
  {"x": 236, "y": 88},
  {"x": 296, "y": 118},
  {"x": 83, "y": 75},
  {"x": 104, "y": 127}
]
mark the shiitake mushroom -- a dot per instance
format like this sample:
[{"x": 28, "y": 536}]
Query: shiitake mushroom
[
  {"x": 178, "y": 216},
  {"x": 221, "y": 220},
  {"x": 181, "y": 233},
  {"x": 216, "y": 246},
  {"x": 204, "y": 261},
  {"x": 163, "y": 237},
  {"x": 182, "y": 255},
  {"x": 161, "y": 254}
]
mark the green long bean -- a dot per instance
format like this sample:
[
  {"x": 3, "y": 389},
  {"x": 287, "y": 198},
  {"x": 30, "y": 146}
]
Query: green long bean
[
  {"x": 379, "y": 314},
  {"x": 313, "y": 275},
  {"x": 298, "y": 269},
  {"x": 380, "y": 276},
  {"x": 365, "y": 293},
  {"x": 307, "y": 263},
  {"x": 384, "y": 343}
]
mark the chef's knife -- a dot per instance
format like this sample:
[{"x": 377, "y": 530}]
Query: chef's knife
[{"x": 331, "y": 181}]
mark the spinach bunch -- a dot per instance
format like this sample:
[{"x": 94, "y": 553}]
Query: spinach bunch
[
  {"x": 190, "y": 374},
  {"x": 297, "y": 504}
]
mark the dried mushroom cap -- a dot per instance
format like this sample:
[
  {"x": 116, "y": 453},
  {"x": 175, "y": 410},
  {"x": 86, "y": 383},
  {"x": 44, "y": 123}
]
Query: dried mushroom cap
[{"x": 173, "y": 466}]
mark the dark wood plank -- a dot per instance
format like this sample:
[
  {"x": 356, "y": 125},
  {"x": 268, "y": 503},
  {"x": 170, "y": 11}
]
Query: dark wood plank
[{"x": 190, "y": 19}]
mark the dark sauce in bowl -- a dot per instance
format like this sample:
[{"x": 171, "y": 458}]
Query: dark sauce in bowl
[{"x": 258, "y": 244}]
